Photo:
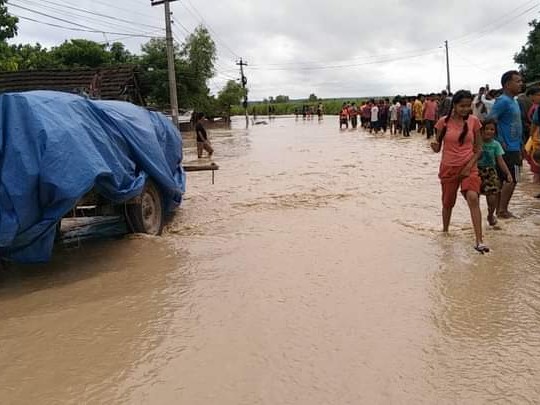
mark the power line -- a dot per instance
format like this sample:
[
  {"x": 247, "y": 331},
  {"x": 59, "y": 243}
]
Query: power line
[
  {"x": 359, "y": 58},
  {"x": 218, "y": 72},
  {"x": 460, "y": 38},
  {"x": 131, "y": 11},
  {"x": 101, "y": 15},
  {"x": 92, "y": 29},
  {"x": 181, "y": 26},
  {"x": 84, "y": 30},
  {"x": 188, "y": 2},
  {"x": 68, "y": 14},
  {"x": 495, "y": 24},
  {"x": 132, "y": 36},
  {"x": 484, "y": 33},
  {"x": 387, "y": 60}
]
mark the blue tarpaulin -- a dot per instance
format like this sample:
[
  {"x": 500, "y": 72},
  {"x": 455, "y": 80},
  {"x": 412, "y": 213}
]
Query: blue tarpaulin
[{"x": 55, "y": 147}]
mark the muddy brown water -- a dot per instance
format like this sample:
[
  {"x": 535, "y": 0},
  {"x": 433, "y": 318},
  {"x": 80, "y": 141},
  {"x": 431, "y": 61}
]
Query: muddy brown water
[{"x": 312, "y": 272}]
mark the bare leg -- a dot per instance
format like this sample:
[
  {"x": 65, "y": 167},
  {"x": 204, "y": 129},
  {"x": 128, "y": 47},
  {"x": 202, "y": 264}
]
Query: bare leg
[
  {"x": 476, "y": 214},
  {"x": 199, "y": 149},
  {"x": 492, "y": 201},
  {"x": 446, "y": 215},
  {"x": 208, "y": 148},
  {"x": 507, "y": 191}
]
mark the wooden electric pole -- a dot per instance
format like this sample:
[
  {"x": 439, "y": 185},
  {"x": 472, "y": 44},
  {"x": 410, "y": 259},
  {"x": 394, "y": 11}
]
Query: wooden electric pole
[
  {"x": 447, "y": 68},
  {"x": 170, "y": 59},
  {"x": 244, "y": 82}
]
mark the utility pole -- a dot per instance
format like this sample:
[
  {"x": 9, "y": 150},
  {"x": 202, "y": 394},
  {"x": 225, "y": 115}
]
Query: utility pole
[
  {"x": 170, "y": 59},
  {"x": 244, "y": 82},
  {"x": 447, "y": 68}
]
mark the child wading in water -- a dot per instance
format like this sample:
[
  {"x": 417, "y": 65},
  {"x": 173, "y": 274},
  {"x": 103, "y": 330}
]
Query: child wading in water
[
  {"x": 458, "y": 134},
  {"x": 492, "y": 153}
]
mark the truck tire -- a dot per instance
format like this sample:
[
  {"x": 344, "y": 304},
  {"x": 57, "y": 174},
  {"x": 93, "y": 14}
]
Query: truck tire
[{"x": 147, "y": 215}]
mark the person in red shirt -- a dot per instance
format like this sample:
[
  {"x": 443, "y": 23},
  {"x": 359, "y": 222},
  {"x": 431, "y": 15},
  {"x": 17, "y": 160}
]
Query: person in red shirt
[
  {"x": 430, "y": 115},
  {"x": 458, "y": 135},
  {"x": 344, "y": 116},
  {"x": 365, "y": 112},
  {"x": 353, "y": 115}
]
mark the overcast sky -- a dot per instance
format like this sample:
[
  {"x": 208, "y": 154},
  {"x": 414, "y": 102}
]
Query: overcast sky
[{"x": 332, "y": 49}]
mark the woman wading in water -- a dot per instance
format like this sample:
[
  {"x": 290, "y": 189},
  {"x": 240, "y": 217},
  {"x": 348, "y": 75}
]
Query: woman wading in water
[{"x": 458, "y": 135}]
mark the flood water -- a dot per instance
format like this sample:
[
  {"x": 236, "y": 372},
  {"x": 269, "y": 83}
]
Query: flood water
[{"x": 312, "y": 272}]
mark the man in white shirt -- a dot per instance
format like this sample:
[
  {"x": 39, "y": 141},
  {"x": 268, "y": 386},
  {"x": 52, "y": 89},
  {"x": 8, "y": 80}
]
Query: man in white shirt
[
  {"x": 374, "y": 118},
  {"x": 393, "y": 111},
  {"x": 488, "y": 100},
  {"x": 478, "y": 107}
]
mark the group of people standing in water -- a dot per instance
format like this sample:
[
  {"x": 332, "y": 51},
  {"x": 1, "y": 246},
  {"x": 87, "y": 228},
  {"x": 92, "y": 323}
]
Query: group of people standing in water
[
  {"x": 484, "y": 139},
  {"x": 401, "y": 115}
]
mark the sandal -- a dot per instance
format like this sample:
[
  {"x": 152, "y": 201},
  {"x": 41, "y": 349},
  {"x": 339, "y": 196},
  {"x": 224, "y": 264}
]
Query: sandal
[{"x": 481, "y": 248}]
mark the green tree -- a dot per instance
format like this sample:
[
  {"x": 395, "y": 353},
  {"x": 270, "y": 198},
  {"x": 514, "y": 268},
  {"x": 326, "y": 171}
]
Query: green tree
[
  {"x": 30, "y": 57},
  {"x": 8, "y": 29},
  {"x": 194, "y": 64},
  {"x": 282, "y": 99},
  {"x": 119, "y": 54},
  {"x": 529, "y": 56},
  {"x": 81, "y": 53},
  {"x": 197, "y": 59},
  {"x": 231, "y": 95},
  {"x": 312, "y": 98},
  {"x": 155, "y": 79},
  {"x": 199, "y": 51},
  {"x": 8, "y": 22}
]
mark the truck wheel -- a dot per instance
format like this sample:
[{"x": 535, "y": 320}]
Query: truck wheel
[{"x": 147, "y": 216}]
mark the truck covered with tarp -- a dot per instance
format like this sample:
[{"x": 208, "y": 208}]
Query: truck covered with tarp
[{"x": 56, "y": 148}]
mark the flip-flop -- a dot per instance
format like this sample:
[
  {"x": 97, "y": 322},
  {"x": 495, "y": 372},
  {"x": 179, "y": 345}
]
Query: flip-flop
[{"x": 481, "y": 248}]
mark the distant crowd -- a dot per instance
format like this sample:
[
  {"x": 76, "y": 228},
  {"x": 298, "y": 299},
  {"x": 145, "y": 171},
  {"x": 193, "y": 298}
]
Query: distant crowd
[{"x": 405, "y": 114}]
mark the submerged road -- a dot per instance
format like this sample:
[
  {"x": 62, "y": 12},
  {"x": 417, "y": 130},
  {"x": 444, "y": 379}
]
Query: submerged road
[{"x": 312, "y": 272}]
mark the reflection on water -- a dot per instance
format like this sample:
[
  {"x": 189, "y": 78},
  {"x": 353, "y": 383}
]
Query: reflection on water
[
  {"x": 312, "y": 272},
  {"x": 71, "y": 330}
]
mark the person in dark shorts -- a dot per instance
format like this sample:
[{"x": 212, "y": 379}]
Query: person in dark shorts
[
  {"x": 353, "y": 114},
  {"x": 510, "y": 135},
  {"x": 490, "y": 160},
  {"x": 384, "y": 114},
  {"x": 320, "y": 111},
  {"x": 203, "y": 144}
]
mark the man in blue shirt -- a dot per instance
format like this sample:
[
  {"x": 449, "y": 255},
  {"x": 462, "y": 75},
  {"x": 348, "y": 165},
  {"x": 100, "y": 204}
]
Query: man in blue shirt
[{"x": 509, "y": 134}]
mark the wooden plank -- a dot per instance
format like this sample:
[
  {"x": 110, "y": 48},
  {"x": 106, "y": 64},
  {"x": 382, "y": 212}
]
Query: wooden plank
[{"x": 201, "y": 168}]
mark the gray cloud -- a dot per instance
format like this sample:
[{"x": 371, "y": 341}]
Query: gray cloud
[{"x": 283, "y": 40}]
